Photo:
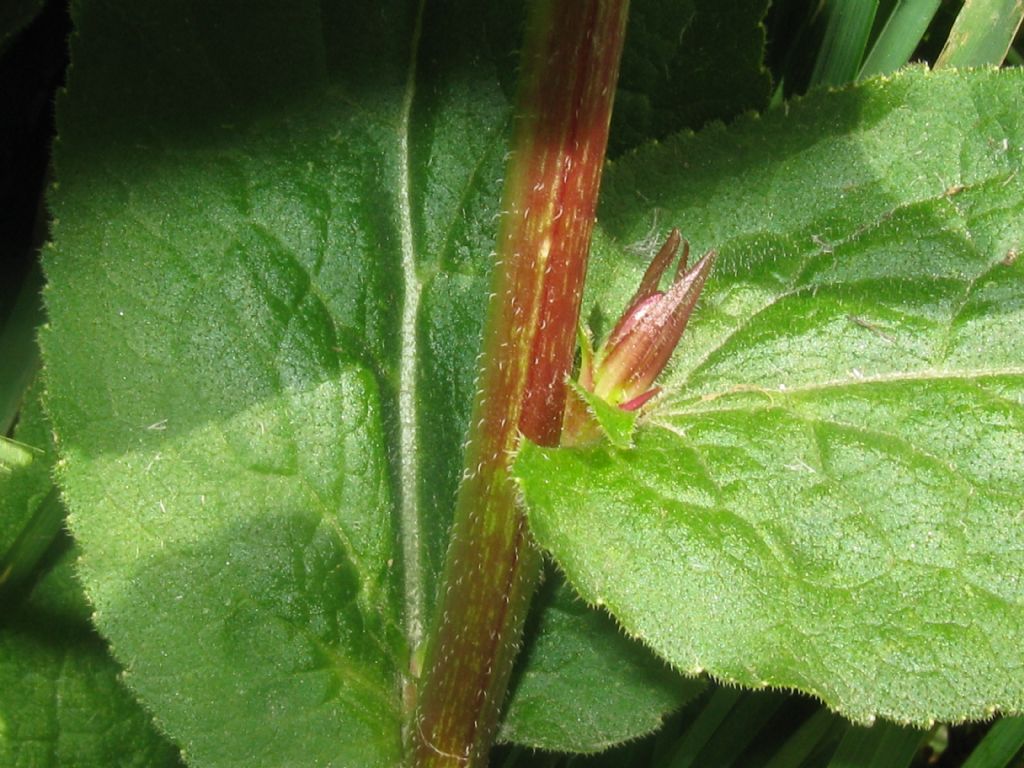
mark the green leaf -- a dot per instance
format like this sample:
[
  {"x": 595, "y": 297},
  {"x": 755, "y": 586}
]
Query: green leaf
[
  {"x": 14, "y": 454},
  {"x": 31, "y": 514},
  {"x": 26, "y": 480},
  {"x": 686, "y": 64},
  {"x": 226, "y": 359},
  {"x": 61, "y": 702},
  {"x": 614, "y": 423},
  {"x": 581, "y": 686},
  {"x": 830, "y": 498},
  {"x": 272, "y": 231}
]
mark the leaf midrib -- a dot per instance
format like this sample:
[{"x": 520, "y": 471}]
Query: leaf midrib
[
  {"x": 409, "y": 516},
  {"x": 829, "y": 384}
]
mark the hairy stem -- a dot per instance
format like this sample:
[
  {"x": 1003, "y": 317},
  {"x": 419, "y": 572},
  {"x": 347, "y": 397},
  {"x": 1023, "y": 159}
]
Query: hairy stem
[{"x": 570, "y": 65}]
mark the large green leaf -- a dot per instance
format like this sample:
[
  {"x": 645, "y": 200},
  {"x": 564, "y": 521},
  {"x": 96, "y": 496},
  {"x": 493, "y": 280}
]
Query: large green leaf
[
  {"x": 226, "y": 362},
  {"x": 271, "y": 242},
  {"x": 829, "y": 496}
]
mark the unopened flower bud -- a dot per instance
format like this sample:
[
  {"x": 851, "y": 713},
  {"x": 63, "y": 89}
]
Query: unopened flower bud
[
  {"x": 642, "y": 342},
  {"x": 623, "y": 369}
]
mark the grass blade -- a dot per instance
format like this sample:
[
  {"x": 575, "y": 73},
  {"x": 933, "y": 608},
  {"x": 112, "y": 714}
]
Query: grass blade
[
  {"x": 846, "y": 38},
  {"x": 714, "y": 713},
  {"x": 884, "y": 745},
  {"x": 899, "y": 37},
  {"x": 721, "y": 735},
  {"x": 744, "y": 723},
  {"x": 982, "y": 34},
  {"x": 817, "y": 729},
  {"x": 1003, "y": 741}
]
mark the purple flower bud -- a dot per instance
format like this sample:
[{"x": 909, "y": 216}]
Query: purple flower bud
[{"x": 624, "y": 368}]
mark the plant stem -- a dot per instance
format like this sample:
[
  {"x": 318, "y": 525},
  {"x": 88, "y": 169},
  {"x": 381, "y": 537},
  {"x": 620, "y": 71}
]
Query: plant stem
[{"x": 570, "y": 65}]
